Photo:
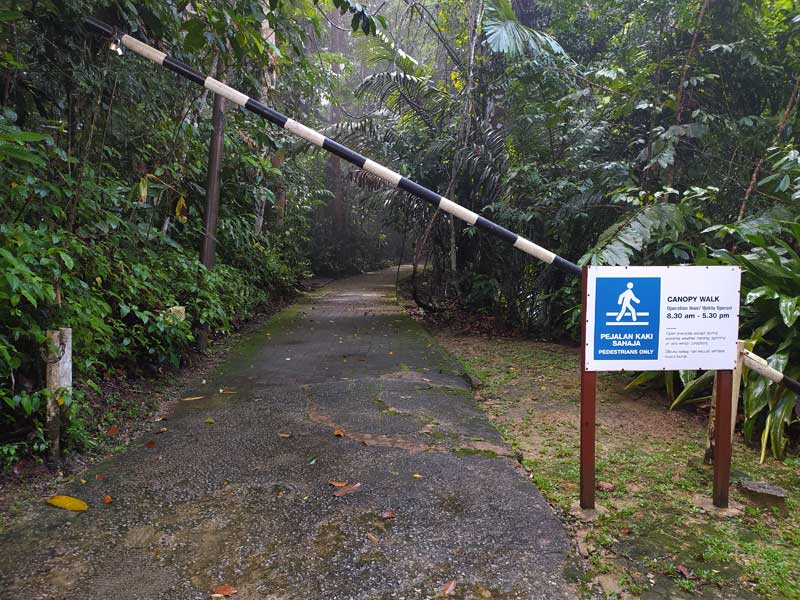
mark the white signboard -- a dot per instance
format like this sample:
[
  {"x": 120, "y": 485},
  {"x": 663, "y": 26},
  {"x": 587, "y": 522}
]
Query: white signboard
[{"x": 662, "y": 318}]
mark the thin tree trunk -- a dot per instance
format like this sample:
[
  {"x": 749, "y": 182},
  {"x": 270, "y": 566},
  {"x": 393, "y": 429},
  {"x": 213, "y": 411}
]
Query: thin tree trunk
[
  {"x": 207, "y": 251},
  {"x": 682, "y": 83},
  {"x": 280, "y": 189},
  {"x": 465, "y": 129},
  {"x": 790, "y": 106}
]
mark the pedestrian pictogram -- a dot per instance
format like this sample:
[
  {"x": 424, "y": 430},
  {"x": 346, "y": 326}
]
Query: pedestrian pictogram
[{"x": 634, "y": 316}]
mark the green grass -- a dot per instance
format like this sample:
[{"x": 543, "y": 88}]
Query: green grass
[{"x": 653, "y": 531}]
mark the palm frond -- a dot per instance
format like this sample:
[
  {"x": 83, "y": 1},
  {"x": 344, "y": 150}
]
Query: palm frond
[
  {"x": 506, "y": 35},
  {"x": 620, "y": 242}
]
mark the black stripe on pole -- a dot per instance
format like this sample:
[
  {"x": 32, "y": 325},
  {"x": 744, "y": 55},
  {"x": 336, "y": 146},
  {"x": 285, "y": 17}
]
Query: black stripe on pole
[
  {"x": 412, "y": 187},
  {"x": 273, "y": 116},
  {"x": 344, "y": 152},
  {"x": 565, "y": 265},
  {"x": 495, "y": 229},
  {"x": 184, "y": 70},
  {"x": 791, "y": 384},
  {"x": 99, "y": 26}
]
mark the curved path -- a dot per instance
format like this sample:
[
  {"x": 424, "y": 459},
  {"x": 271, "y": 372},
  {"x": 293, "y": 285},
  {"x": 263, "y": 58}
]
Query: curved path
[{"x": 236, "y": 502}]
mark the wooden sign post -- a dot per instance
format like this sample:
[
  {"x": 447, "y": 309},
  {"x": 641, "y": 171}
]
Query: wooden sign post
[
  {"x": 588, "y": 409},
  {"x": 659, "y": 319}
]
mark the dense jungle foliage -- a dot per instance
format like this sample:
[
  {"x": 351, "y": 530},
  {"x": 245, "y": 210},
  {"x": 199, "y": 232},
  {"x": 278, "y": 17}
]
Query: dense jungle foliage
[{"x": 611, "y": 131}]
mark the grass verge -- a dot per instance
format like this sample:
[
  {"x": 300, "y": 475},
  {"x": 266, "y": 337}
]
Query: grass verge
[{"x": 658, "y": 536}]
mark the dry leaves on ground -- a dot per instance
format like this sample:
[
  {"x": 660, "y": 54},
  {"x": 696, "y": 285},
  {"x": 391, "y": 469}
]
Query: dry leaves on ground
[
  {"x": 348, "y": 489},
  {"x": 225, "y": 590},
  {"x": 67, "y": 503}
]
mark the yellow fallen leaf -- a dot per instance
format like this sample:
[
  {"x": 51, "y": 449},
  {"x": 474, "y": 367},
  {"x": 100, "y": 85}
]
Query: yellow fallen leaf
[
  {"x": 373, "y": 538},
  {"x": 339, "y": 432},
  {"x": 190, "y": 398},
  {"x": 417, "y": 476},
  {"x": 210, "y": 421},
  {"x": 68, "y": 503}
]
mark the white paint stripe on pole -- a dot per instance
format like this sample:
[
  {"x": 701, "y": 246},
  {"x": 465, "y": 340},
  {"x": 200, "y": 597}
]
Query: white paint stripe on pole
[
  {"x": 458, "y": 211},
  {"x": 225, "y": 91},
  {"x": 308, "y": 134},
  {"x": 386, "y": 174},
  {"x": 528, "y": 247},
  {"x": 143, "y": 49},
  {"x": 761, "y": 366}
]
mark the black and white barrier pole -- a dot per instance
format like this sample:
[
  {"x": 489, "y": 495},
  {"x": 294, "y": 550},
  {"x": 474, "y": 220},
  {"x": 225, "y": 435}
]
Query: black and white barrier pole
[
  {"x": 318, "y": 139},
  {"x": 761, "y": 366}
]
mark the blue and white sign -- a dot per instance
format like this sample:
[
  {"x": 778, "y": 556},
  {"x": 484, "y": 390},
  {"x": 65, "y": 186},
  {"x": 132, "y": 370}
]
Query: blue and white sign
[{"x": 647, "y": 318}]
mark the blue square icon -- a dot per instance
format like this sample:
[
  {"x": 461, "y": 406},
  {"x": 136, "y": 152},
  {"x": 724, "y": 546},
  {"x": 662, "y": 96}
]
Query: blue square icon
[{"x": 627, "y": 312}]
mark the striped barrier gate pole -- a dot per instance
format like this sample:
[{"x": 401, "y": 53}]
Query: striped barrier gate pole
[
  {"x": 753, "y": 361},
  {"x": 318, "y": 139}
]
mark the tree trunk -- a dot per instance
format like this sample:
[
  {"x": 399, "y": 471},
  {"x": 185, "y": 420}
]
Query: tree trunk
[
  {"x": 280, "y": 189},
  {"x": 207, "y": 251}
]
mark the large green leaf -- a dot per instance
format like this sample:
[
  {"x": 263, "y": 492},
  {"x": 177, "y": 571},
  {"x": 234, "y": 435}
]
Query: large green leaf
[{"x": 506, "y": 35}]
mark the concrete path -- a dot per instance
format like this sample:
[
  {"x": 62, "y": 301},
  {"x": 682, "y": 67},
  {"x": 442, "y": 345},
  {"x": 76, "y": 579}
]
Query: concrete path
[{"x": 236, "y": 501}]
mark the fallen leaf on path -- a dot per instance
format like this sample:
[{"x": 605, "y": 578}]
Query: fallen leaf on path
[
  {"x": 107, "y": 499},
  {"x": 113, "y": 430},
  {"x": 387, "y": 514},
  {"x": 338, "y": 483},
  {"x": 285, "y": 435},
  {"x": 100, "y": 477},
  {"x": 418, "y": 476},
  {"x": 151, "y": 443},
  {"x": 67, "y": 503},
  {"x": 339, "y": 432},
  {"x": 683, "y": 571},
  {"x": 373, "y": 538},
  {"x": 225, "y": 590},
  {"x": 83, "y": 481},
  {"x": 312, "y": 460},
  {"x": 210, "y": 421},
  {"x": 449, "y": 588},
  {"x": 605, "y": 486},
  {"x": 348, "y": 489},
  {"x": 190, "y": 398},
  {"x": 162, "y": 430},
  {"x": 227, "y": 391}
]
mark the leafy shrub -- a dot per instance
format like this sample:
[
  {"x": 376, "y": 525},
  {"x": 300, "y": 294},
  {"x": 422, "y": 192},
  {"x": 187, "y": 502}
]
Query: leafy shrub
[{"x": 769, "y": 317}]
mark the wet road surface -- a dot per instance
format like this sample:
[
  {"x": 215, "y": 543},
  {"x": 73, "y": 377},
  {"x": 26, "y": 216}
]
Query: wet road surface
[{"x": 236, "y": 502}]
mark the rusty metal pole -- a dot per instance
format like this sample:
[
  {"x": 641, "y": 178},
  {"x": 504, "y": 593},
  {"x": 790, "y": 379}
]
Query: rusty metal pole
[
  {"x": 722, "y": 438},
  {"x": 588, "y": 408}
]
